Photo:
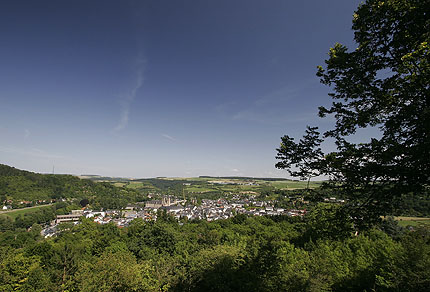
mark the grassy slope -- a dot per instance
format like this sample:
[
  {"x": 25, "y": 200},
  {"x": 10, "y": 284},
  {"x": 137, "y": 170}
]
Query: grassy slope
[{"x": 15, "y": 213}]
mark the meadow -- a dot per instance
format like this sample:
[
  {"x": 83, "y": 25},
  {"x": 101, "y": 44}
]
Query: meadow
[
  {"x": 15, "y": 213},
  {"x": 412, "y": 221}
]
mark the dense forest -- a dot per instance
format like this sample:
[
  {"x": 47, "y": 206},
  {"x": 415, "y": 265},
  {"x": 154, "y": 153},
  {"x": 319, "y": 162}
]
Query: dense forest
[{"x": 238, "y": 254}]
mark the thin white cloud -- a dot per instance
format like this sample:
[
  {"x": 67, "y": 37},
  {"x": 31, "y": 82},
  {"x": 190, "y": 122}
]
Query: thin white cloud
[
  {"x": 281, "y": 95},
  {"x": 26, "y": 133},
  {"x": 33, "y": 152},
  {"x": 127, "y": 99},
  {"x": 269, "y": 109},
  {"x": 168, "y": 137},
  {"x": 277, "y": 107}
]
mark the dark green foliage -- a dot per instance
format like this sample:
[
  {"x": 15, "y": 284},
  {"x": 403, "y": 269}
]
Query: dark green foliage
[
  {"x": 165, "y": 184},
  {"x": 391, "y": 227},
  {"x": 6, "y": 224},
  {"x": 414, "y": 205},
  {"x": 327, "y": 221},
  {"x": 84, "y": 202}
]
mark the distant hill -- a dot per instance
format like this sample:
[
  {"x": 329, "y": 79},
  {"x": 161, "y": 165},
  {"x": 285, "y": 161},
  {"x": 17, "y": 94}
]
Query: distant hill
[
  {"x": 94, "y": 177},
  {"x": 247, "y": 178}
]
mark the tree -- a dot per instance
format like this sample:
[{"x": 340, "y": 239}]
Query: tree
[
  {"x": 84, "y": 202},
  {"x": 413, "y": 263},
  {"x": 305, "y": 155},
  {"x": 215, "y": 269},
  {"x": 117, "y": 272},
  {"x": 6, "y": 224},
  {"x": 21, "y": 273},
  {"x": 383, "y": 83},
  {"x": 327, "y": 221}
]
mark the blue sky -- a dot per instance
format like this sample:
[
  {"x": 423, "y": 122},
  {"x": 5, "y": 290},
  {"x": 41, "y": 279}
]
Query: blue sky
[{"x": 162, "y": 88}]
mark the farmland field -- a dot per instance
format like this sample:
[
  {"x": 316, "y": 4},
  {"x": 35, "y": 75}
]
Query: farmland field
[
  {"x": 200, "y": 189},
  {"x": 135, "y": 184},
  {"x": 291, "y": 185},
  {"x": 210, "y": 184}
]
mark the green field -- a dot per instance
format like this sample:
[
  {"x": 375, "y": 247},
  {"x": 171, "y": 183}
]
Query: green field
[
  {"x": 200, "y": 189},
  {"x": 412, "y": 221},
  {"x": 119, "y": 184},
  {"x": 292, "y": 185},
  {"x": 17, "y": 212},
  {"x": 135, "y": 184}
]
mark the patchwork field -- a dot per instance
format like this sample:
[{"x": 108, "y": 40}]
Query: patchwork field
[{"x": 207, "y": 184}]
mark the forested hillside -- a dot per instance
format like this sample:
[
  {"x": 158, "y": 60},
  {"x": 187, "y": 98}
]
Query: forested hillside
[{"x": 21, "y": 188}]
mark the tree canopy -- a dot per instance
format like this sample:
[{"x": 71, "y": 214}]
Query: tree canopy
[
  {"x": 236, "y": 254},
  {"x": 382, "y": 83}
]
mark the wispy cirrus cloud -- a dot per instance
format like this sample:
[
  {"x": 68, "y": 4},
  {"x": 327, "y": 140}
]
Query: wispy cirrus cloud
[
  {"x": 168, "y": 137},
  {"x": 269, "y": 108},
  {"x": 277, "y": 107},
  {"x": 127, "y": 99},
  {"x": 33, "y": 152}
]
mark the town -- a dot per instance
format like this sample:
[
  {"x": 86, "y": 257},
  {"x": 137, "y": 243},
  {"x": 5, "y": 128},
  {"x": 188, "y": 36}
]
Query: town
[{"x": 209, "y": 210}]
